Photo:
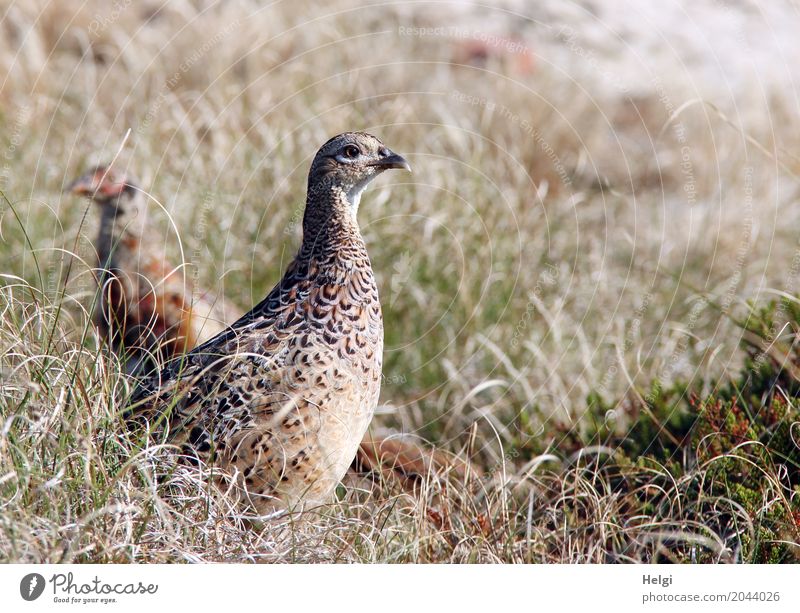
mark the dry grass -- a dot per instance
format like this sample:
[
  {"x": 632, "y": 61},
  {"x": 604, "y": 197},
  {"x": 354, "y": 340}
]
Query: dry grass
[{"x": 563, "y": 249}]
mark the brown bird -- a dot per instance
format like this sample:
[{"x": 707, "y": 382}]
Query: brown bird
[
  {"x": 282, "y": 399},
  {"x": 145, "y": 310},
  {"x": 408, "y": 462}
]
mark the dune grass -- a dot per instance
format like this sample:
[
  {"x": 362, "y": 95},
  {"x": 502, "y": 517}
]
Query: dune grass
[{"x": 576, "y": 284}]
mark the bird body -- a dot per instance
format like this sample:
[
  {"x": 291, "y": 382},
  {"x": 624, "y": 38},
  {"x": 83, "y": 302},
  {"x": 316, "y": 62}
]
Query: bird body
[
  {"x": 282, "y": 399},
  {"x": 146, "y": 310},
  {"x": 408, "y": 462}
]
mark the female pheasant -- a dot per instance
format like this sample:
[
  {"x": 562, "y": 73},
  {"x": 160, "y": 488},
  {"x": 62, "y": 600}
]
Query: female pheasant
[
  {"x": 282, "y": 399},
  {"x": 145, "y": 311}
]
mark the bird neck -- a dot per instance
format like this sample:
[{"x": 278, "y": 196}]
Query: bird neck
[
  {"x": 330, "y": 228},
  {"x": 122, "y": 224}
]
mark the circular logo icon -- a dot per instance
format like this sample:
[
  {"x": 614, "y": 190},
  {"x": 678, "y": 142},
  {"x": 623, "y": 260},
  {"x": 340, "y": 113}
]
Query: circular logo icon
[{"x": 31, "y": 586}]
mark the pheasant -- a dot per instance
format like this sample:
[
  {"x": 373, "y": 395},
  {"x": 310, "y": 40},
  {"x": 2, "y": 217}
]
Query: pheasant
[
  {"x": 145, "y": 311},
  {"x": 407, "y": 462},
  {"x": 281, "y": 400}
]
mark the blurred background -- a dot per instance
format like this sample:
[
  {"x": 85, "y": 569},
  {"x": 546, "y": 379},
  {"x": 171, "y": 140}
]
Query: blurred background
[{"x": 598, "y": 187}]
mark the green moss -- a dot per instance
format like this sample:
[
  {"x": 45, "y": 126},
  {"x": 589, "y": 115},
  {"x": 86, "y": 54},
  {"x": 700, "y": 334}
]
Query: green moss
[{"x": 731, "y": 456}]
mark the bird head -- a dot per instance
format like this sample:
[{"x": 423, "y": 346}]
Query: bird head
[
  {"x": 348, "y": 162},
  {"x": 104, "y": 185}
]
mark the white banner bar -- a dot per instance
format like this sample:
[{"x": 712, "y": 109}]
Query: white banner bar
[{"x": 384, "y": 589}]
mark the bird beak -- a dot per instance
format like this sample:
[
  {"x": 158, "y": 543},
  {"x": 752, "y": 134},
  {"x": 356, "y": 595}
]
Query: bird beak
[
  {"x": 392, "y": 160},
  {"x": 78, "y": 187}
]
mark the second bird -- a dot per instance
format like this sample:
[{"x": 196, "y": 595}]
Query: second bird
[{"x": 146, "y": 310}]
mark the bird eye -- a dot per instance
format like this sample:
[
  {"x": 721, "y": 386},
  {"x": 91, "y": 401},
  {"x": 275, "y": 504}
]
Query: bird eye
[{"x": 351, "y": 151}]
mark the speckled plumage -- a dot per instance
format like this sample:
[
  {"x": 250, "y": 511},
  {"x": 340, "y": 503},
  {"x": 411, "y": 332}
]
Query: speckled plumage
[
  {"x": 146, "y": 310},
  {"x": 283, "y": 398}
]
